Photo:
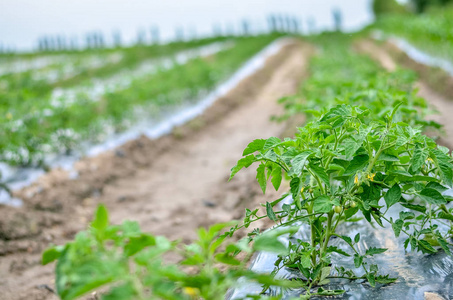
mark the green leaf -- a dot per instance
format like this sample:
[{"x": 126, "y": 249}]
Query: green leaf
[
  {"x": 393, "y": 195},
  {"x": 270, "y": 155},
  {"x": 442, "y": 162},
  {"x": 443, "y": 243},
  {"x": 347, "y": 239},
  {"x": 123, "y": 291},
  {"x": 397, "y": 226},
  {"x": 373, "y": 250},
  {"x": 337, "y": 250},
  {"x": 425, "y": 247},
  {"x": 227, "y": 259},
  {"x": 357, "y": 163},
  {"x": 350, "y": 146},
  {"x": 357, "y": 238},
  {"x": 325, "y": 272},
  {"x": 268, "y": 241},
  {"x": 322, "y": 204},
  {"x": 419, "y": 208},
  {"x": 242, "y": 163},
  {"x": 321, "y": 173},
  {"x": 270, "y": 212},
  {"x": 446, "y": 173},
  {"x": 445, "y": 216},
  {"x": 323, "y": 292},
  {"x": 388, "y": 157},
  {"x": 138, "y": 243},
  {"x": 51, "y": 254},
  {"x": 350, "y": 212},
  {"x": 385, "y": 279},
  {"x": 432, "y": 196},
  {"x": 294, "y": 185},
  {"x": 371, "y": 279},
  {"x": 418, "y": 158},
  {"x": 358, "y": 259},
  {"x": 404, "y": 176},
  {"x": 255, "y": 145},
  {"x": 305, "y": 260},
  {"x": 299, "y": 161},
  {"x": 401, "y": 139},
  {"x": 271, "y": 142},
  {"x": 396, "y": 105},
  {"x": 335, "y": 167},
  {"x": 79, "y": 290},
  {"x": 261, "y": 177},
  {"x": 404, "y": 215},
  {"x": 342, "y": 110},
  {"x": 374, "y": 268},
  {"x": 434, "y": 185},
  {"x": 101, "y": 220},
  {"x": 276, "y": 177}
]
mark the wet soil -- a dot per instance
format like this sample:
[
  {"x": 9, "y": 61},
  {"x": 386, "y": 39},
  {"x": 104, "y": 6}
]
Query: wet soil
[{"x": 171, "y": 185}]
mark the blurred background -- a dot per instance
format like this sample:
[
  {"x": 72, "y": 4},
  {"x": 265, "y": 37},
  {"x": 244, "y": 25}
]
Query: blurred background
[
  {"x": 76, "y": 74},
  {"x": 24, "y": 22}
]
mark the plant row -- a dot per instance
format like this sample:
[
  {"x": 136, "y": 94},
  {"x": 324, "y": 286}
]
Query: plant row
[
  {"x": 360, "y": 155},
  {"x": 431, "y": 31},
  {"x": 41, "y": 73},
  {"x": 34, "y": 126}
]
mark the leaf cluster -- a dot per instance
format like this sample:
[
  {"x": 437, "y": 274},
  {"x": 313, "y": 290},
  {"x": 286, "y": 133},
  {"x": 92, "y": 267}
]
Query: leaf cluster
[{"x": 125, "y": 263}]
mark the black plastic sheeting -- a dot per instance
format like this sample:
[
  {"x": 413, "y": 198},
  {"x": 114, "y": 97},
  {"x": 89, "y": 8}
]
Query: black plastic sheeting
[{"x": 417, "y": 273}]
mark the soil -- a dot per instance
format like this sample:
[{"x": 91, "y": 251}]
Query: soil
[
  {"x": 440, "y": 101},
  {"x": 171, "y": 185}
]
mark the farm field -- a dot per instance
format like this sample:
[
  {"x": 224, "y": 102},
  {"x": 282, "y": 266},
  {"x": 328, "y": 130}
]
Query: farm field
[
  {"x": 55, "y": 117},
  {"x": 339, "y": 144}
]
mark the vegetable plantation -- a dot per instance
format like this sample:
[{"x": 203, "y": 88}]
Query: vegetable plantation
[
  {"x": 431, "y": 32},
  {"x": 355, "y": 204},
  {"x": 54, "y": 117}
]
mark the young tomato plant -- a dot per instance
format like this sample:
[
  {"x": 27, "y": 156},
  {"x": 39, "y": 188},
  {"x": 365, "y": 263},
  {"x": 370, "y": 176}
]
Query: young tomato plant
[
  {"x": 123, "y": 262},
  {"x": 344, "y": 164}
]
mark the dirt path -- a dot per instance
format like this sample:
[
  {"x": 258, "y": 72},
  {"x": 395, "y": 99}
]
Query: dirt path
[
  {"x": 441, "y": 103},
  {"x": 170, "y": 186}
]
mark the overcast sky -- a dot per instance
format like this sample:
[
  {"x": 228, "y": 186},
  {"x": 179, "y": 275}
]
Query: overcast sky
[{"x": 23, "y": 21}]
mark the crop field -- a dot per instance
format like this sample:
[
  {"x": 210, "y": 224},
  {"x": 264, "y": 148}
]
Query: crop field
[
  {"x": 432, "y": 32},
  {"x": 77, "y": 99},
  {"x": 320, "y": 167}
]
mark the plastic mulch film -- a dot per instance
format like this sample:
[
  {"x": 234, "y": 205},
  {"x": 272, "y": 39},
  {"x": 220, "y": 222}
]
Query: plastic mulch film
[{"x": 418, "y": 274}]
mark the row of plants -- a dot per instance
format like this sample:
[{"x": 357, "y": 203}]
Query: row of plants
[
  {"x": 33, "y": 126},
  {"x": 360, "y": 155},
  {"x": 341, "y": 76},
  {"x": 431, "y": 31},
  {"x": 76, "y": 68}
]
